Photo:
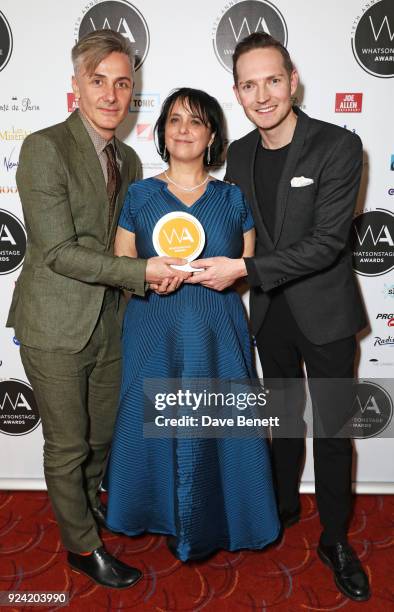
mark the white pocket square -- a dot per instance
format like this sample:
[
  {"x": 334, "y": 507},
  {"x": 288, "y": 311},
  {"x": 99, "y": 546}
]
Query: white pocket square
[{"x": 300, "y": 181}]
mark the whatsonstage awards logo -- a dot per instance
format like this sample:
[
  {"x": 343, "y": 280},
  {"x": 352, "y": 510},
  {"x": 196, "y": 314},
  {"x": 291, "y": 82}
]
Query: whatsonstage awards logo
[
  {"x": 373, "y": 410},
  {"x": 12, "y": 242},
  {"x": 18, "y": 408},
  {"x": 5, "y": 42},
  {"x": 238, "y": 20},
  {"x": 372, "y": 242},
  {"x": 372, "y": 38},
  {"x": 120, "y": 16}
]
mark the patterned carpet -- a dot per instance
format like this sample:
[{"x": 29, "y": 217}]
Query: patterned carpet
[{"x": 287, "y": 577}]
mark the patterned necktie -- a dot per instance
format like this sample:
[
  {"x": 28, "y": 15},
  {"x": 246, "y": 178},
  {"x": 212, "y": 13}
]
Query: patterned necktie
[{"x": 113, "y": 183}]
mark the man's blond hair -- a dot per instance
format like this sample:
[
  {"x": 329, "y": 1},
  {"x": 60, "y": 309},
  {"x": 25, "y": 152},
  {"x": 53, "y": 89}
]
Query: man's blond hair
[{"x": 96, "y": 46}]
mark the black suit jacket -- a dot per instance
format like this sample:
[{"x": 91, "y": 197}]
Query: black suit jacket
[{"x": 309, "y": 255}]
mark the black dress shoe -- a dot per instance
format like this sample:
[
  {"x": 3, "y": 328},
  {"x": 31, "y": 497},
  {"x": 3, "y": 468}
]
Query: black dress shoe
[
  {"x": 104, "y": 569},
  {"x": 100, "y": 516},
  {"x": 288, "y": 519},
  {"x": 349, "y": 575}
]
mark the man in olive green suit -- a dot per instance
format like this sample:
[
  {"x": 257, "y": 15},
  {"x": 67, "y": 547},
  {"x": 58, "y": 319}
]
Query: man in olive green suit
[{"x": 65, "y": 307}]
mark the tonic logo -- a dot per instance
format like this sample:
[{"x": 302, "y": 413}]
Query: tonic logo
[
  {"x": 145, "y": 102},
  {"x": 384, "y": 23},
  {"x": 6, "y": 236},
  {"x": 383, "y": 236},
  {"x": 20, "y": 402},
  {"x": 241, "y": 19}
]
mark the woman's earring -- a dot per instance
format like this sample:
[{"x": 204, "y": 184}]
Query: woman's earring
[
  {"x": 209, "y": 155},
  {"x": 165, "y": 152}
]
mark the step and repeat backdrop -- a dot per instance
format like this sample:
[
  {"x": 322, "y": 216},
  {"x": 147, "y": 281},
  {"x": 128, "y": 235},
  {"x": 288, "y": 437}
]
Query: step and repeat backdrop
[{"x": 344, "y": 52}]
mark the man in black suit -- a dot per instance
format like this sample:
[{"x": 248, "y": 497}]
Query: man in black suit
[{"x": 301, "y": 177}]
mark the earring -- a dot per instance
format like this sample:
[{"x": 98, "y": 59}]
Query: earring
[
  {"x": 165, "y": 152},
  {"x": 209, "y": 155}
]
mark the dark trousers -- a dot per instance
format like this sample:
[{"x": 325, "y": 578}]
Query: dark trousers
[
  {"x": 77, "y": 397},
  {"x": 282, "y": 348}
]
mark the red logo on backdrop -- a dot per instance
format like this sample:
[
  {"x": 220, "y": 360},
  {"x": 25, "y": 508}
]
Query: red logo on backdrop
[
  {"x": 72, "y": 103},
  {"x": 390, "y": 322},
  {"x": 348, "y": 102},
  {"x": 144, "y": 131}
]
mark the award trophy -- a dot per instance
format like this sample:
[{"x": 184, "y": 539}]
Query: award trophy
[{"x": 179, "y": 234}]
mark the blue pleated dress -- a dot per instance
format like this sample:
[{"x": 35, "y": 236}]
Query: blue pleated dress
[{"x": 208, "y": 493}]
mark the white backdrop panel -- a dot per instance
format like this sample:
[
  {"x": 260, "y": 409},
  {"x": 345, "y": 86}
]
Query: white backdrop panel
[{"x": 33, "y": 94}]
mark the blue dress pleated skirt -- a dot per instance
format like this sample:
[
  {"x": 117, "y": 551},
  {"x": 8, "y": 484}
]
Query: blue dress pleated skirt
[{"x": 209, "y": 493}]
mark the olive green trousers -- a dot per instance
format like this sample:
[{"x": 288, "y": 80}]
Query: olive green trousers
[{"x": 77, "y": 396}]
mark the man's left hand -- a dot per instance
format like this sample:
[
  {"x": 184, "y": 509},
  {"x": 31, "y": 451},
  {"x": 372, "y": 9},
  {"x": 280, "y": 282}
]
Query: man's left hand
[{"x": 219, "y": 272}]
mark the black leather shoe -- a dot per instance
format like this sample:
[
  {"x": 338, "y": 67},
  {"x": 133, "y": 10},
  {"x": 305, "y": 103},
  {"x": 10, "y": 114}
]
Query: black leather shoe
[
  {"x": 349, "y": 575},
  {"x": 104, "y": 569},
  {"x": 288, "y": 519},
  {"x": 100, "y": 516}
]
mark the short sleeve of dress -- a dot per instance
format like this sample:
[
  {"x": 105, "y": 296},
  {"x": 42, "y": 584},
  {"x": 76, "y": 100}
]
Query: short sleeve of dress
[
  {"x": 126, "y": 219},
  {"x": 246, "y": 213},
  {"x": 248, "y": 222}
]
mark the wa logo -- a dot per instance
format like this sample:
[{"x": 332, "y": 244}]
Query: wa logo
[
  {"x": 12, "y": 242},
  {"x": 122, "y": 17},
  {"x": 372, "y": 39},
  {"x": 6, "y": 236},
  {"x": 18, "y": 408},
  {"x": 383, "y": 236},
  {"x": 19, "y": 402},
  {"x": 176, "y": 237},
  {"x": 372, "y": 242},
  {"x": 242, "y": 19},
  {"x": 6, "y": 42},
  {"x": 370, "y": 404},
  {"x": 372, "y": 409},
  {"x": 178, "y": 234},
  {"x": 384, "y": 29}
]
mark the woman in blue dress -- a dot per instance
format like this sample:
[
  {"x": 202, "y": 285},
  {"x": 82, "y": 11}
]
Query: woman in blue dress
[{"x": 205, "y": 493}]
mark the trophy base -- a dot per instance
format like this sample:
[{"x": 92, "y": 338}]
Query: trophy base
[{"x": 187, "y": 268}]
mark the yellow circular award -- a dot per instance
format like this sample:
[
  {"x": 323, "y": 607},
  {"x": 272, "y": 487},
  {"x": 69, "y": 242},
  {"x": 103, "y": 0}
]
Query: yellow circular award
[{"x": 179, "y": 234}]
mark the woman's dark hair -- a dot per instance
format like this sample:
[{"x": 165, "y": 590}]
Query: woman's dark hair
[{"x": 206, "y": 108}]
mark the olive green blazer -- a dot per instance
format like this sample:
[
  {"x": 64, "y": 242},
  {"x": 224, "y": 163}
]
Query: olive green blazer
[{"x": 69, "y": 259}]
